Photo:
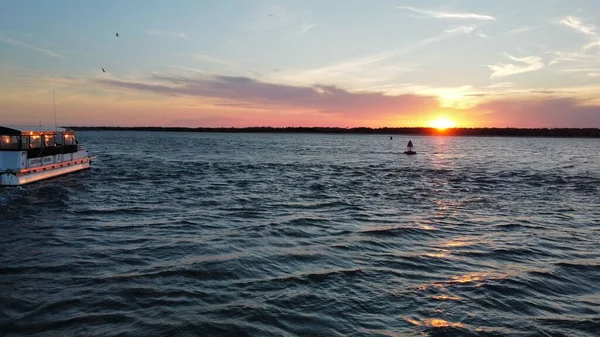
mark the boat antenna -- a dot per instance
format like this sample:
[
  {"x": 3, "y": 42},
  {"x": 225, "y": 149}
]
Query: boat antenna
[{"x": 54, "y": 104}]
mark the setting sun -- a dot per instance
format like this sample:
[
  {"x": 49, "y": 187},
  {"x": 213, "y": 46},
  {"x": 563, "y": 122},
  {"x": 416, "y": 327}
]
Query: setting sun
[{"x": 442, "y": 123}]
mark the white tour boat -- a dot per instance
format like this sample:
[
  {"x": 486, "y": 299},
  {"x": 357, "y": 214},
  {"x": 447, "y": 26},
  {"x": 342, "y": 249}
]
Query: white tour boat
[{"x": 34, "y": 153}]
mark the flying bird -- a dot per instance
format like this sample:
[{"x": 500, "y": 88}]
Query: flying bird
[
  {"x": 117, "y": 35},
  {"x": 103, "y": 70}
]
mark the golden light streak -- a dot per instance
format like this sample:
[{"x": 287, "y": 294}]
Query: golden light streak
[{"x": 442, "y": 123}]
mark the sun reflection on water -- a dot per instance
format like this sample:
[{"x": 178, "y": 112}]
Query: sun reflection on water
[
  {"x": 440, "y": 323},
  {"x": 446, "y": 298},
  {"x": 440, "y": 255},
  {"x": 461, "y": 242},
  {"x": 433, "y": 323},
  {"x": 479, "y": 278},
  {"x": 427, "y": 227},
  {"x": 473, "y": 277}
]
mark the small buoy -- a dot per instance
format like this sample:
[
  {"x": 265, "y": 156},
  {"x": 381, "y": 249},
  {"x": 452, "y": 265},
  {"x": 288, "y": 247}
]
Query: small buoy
[{"x": 409, "y": 149}]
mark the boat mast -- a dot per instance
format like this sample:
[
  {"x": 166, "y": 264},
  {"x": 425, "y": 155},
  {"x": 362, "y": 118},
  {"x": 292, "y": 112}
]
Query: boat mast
[{"x": 54, "y": 104}]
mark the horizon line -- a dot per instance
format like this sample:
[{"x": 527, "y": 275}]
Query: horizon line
[
  {"x": 331, "y": 127},
  {"x": 414, "y": 131}
]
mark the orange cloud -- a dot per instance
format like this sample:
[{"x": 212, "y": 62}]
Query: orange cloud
[
  {"x": 540, "y": 112},
  {"x": 240, "y": 101}
]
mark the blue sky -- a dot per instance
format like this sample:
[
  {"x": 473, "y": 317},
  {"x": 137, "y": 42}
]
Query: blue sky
[{"x": 244, "y": 62}]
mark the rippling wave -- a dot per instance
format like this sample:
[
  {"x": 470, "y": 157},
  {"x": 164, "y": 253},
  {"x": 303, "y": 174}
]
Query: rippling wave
[{"x": 280, "y": 235}]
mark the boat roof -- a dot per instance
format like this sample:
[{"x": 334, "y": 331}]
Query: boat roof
[{"x": 18, "y": 130}]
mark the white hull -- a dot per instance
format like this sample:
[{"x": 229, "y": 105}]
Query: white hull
[{"x": 43, "y": 172}]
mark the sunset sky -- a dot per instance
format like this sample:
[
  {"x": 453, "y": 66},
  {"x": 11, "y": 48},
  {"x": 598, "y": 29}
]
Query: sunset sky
[{"x": 526, "y": 63}]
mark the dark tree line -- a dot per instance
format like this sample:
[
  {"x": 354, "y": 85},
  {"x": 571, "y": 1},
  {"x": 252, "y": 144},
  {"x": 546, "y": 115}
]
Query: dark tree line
[{"x": 511, "y": 132}]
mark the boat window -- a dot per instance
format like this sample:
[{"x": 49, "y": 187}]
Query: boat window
[
  {"x": 69, "y": 139},
  {"x": 10, "y": 142},
  {"x": 35, "y": 142},
  {"x": 24, "y": 142},
  {"x": 49, "y": 140}
]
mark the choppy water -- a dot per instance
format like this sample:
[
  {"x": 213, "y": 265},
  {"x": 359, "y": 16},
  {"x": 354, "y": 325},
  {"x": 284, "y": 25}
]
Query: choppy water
[{"x": 174, "y": 234}]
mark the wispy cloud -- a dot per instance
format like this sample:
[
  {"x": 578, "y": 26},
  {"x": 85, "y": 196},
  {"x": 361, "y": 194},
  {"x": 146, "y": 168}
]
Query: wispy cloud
[
  {"x": 590, "y": 71},
  {"x": 18, "y": 74},
  {"x": 591, "y": 45},
  {"x": 211, "y": 59},
  {"x": 305, "y": 27},
  {"x": 462, "y": 97},
  {"x": 501, "y": 85},
  {"x": 562, "y": 57},
  {"x": 447, "y": 15},
  {"x": 332, "y": 73},
  {"x": 158, "y": 32},
  {"x": 461, "y": 29},
  {"x": 375, "y": 68},
  {"x": 577, "y": 24},
  {"x": 577, "y": 70},
  {"x": 523, "y": 29},
  {"x": 481, "y": 34},
  {"x": 194, "y": 70},
  {"x": 47, "y": 52},
  {"x": 585, "y": 57},
  {"x": 529, "y": 63}
]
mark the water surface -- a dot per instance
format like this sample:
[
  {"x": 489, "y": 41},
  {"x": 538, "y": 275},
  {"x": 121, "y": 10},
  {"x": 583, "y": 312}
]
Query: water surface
[{"x": 194, "y": 234}]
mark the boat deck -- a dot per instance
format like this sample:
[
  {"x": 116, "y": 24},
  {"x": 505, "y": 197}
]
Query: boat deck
[{"x": 54, "y": 166}]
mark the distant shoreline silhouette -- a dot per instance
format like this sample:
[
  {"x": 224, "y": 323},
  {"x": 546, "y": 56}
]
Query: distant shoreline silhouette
[{"x": 424, "y": 131}]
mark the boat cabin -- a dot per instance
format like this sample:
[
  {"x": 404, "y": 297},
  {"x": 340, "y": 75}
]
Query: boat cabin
[{"x": 25, "y": 147}]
